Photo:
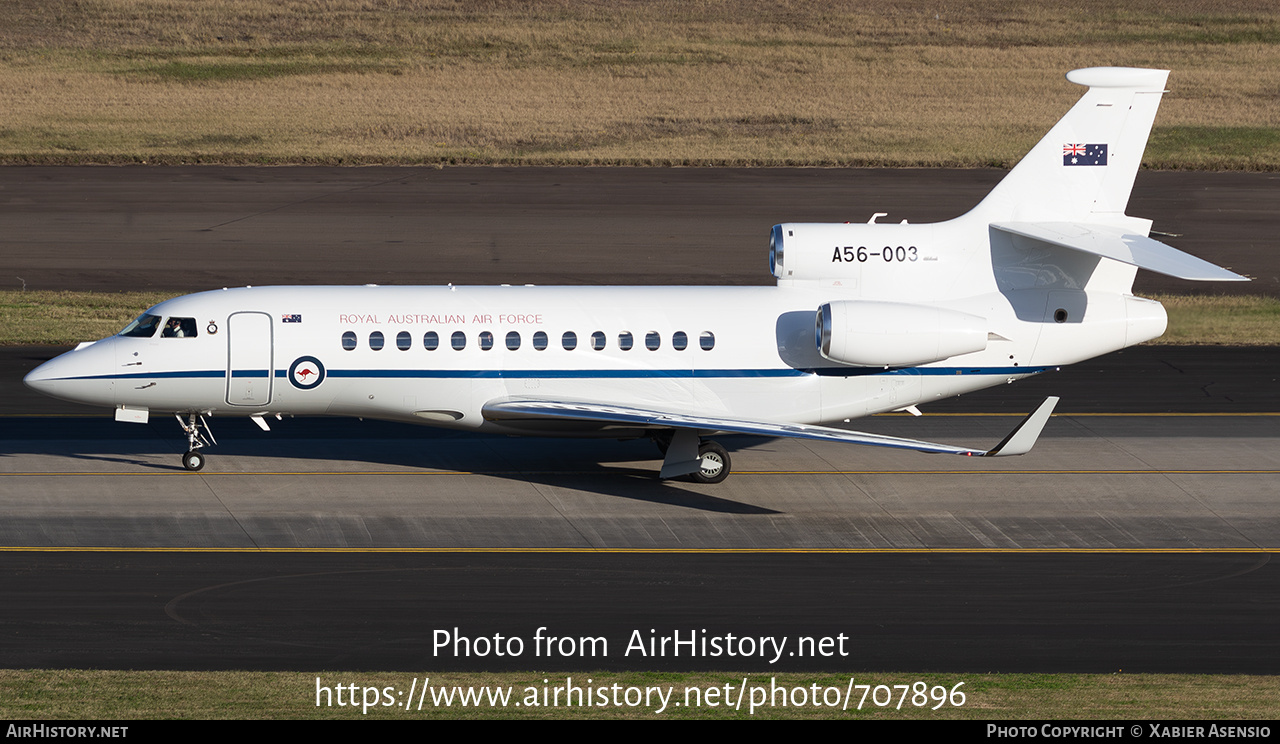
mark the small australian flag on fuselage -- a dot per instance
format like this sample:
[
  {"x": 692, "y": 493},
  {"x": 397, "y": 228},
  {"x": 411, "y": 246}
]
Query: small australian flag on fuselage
[{"x": 1084, "y": 154}]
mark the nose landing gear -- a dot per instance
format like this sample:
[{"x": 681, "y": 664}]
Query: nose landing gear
[
  {"x": 193, "y": 460},
  {"x": 196, "y": 429}
]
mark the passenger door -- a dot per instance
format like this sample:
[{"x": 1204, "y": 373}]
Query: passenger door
[{"x": 250, "y": 367}]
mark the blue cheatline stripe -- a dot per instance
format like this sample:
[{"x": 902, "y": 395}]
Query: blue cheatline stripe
[
  {"x": 183, "y": 375},
  {"x": 593, "y": 374},
  {"x": 617, "y": 374},
  {"x": 561, "y": 374}
]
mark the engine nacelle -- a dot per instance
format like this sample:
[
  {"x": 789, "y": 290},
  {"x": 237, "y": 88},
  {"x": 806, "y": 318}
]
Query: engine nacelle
[{"x": 894, "y": 334}]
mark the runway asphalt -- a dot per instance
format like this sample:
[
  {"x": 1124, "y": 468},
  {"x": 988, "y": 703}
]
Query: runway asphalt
[
  {"x": 1138, "y": 535},
  {"x": 950, "y": 613},
  {"x": 1185, "y": 457},
  {"x": 1140, "y": 542}
]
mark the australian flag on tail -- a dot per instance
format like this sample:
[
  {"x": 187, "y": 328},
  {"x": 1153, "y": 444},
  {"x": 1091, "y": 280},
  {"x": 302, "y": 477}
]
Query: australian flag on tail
[{"x": 1084, "y": 154}]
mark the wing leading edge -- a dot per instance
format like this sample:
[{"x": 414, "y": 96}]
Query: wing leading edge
[{"x": 1019, "y": 441}]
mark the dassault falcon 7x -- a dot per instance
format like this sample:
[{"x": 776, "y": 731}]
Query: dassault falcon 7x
[{"x": 865, "y": 318}]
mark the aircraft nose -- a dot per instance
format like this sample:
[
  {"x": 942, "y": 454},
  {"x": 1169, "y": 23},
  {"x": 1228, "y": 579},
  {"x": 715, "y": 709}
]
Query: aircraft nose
[
  {"x": 75, "y": 376},
  {"x": 51, "y": 377},
  {"x": 41, "y": 379}
]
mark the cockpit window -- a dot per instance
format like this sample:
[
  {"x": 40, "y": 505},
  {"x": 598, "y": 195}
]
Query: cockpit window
[
  {"x": 144, "y": 326},
  {"x": 179, "y": 328}
]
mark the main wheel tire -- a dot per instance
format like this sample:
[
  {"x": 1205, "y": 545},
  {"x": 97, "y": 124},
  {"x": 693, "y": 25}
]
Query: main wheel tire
[
  {"x": 193, "y": 460},
  {"x": 715, "y": 463}
]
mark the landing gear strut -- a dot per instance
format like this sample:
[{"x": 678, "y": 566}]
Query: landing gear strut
[
  {"x": 196, "y": 429},
  {"x": 662, "y": 440}
]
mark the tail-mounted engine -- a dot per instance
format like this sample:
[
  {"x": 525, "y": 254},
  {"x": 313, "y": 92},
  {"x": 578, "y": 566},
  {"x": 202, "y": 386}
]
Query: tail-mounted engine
[
  {"x": 893, "y": 334},
  {"x": 849, "y": 255}
]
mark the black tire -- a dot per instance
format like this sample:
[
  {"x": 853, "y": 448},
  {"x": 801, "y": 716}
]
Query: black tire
[
  {"x": 193, "y": 460},
  {"x": 712, "y": 454}
]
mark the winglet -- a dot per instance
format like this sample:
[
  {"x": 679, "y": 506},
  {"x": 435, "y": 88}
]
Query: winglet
[{"x": 1022, "y": 439}]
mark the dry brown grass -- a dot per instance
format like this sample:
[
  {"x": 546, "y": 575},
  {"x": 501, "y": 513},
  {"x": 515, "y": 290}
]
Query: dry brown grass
[{"x": 576, "y": 81}]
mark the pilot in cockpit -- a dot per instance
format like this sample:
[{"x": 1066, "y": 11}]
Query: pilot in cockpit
[{"x": 180, "y": 328}]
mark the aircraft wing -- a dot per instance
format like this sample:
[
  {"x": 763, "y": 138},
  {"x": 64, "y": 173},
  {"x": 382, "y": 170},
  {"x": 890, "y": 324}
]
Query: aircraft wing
[
  {"x": 1018, "y": 442},
  {"x": 1121, "y": 245}
]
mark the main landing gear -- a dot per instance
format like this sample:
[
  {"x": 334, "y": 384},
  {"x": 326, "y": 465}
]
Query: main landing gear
[
  {"x": 715, "y": 463},
  {"x": 698, "y": 460},
  {"x": 196, "y": 429}
]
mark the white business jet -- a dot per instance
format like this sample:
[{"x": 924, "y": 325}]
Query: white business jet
[{"x": 865, "y": 318}]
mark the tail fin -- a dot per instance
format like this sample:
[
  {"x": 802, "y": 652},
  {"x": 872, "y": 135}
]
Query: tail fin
[{"x": 1083, "y": 169}]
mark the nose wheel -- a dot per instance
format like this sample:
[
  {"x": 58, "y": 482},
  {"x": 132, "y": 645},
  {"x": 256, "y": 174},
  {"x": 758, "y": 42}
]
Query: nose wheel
[
  {"x": 193, "y": 460},
  {"x": 198, "y": 435}
]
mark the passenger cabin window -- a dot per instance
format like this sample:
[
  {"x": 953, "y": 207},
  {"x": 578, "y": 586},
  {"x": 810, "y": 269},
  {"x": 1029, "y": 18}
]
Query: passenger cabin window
[
  {"x": 144, "y": 326},
  {"x": 179, "y": 328}
]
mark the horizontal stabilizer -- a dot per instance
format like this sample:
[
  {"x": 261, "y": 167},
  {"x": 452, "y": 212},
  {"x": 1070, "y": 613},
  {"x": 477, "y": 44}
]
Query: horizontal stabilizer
[
  {"x": 1016, "y": 443},
  {"x": 1120, "y": 245}
]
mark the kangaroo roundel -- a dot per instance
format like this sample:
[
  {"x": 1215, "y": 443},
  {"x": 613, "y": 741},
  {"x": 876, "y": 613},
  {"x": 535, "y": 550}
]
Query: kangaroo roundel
[{"x": 306, "y": 373}]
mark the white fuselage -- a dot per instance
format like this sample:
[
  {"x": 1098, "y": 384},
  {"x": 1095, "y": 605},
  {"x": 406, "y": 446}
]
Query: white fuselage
[{"x": 746, "y": 352}]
